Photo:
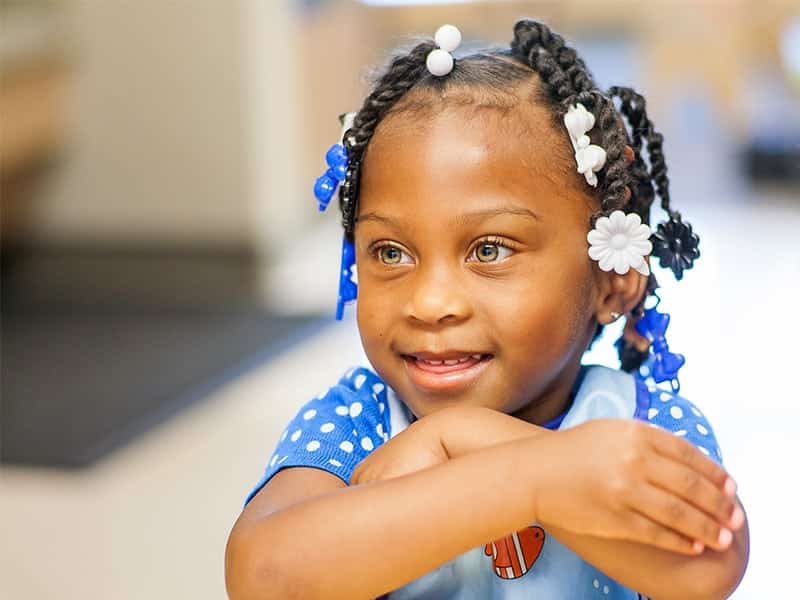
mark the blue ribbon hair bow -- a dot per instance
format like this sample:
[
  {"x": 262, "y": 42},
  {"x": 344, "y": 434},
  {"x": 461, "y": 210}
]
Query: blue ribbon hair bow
[
  {"x": 325, "y": 187},
  {"x": 653, "y": 326},
  {"x": 326, "y": 184}
]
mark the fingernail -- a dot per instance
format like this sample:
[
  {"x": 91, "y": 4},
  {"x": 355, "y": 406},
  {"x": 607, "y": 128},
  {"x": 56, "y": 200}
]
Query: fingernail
[
  {"x": 698, "y": 547},
  {"x": 737, "y": 518},
  {"x": 730, "y": 487},
  {"x": 725, "y": 537}
]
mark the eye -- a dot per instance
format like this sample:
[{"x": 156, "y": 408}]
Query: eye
[
  {"x": 491, "y": 251},
  {"x": 391, "y": 255}
]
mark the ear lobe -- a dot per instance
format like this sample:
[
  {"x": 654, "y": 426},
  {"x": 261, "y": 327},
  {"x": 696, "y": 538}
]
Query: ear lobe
[
  {"x": 620, "y": 294},
  {"x": 628, "y": 153}
]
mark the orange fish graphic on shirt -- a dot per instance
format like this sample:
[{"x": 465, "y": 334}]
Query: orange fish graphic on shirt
[{"x": 514, "y": 555}]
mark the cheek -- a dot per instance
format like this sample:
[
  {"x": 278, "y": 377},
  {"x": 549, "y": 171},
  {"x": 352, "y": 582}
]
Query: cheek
[
  {"x": 373, "y": 316},
  {"x": 546, "y": 310}
]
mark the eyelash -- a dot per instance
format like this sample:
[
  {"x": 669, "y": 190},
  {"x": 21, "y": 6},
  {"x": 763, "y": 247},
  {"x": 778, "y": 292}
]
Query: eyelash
[
  {"x": 375, "y": 249},
  {"x": 492, "y": 241}
]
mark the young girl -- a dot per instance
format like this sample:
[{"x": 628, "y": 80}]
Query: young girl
[{"x": 497, "y": 209}]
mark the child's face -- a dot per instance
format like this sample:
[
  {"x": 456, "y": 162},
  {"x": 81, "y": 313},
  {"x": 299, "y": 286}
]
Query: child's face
[{"x": 471, "y": 240}]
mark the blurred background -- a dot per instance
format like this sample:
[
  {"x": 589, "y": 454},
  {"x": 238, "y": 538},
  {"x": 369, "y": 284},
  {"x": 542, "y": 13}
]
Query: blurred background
[{"x": 168, "y": 285}]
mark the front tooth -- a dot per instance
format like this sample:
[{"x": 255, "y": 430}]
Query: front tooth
[
  {"x": 450, "y": 362},
  {"x": 463, "y": 360},
  {"x": 476, "y": 356},
  {"x": 434, "y": 362}
]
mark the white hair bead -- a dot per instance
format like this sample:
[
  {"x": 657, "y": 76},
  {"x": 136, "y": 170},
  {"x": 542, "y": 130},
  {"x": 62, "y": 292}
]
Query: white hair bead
[
  {"x": 439, "y": 62},
  {"x": 447, "y": 37}
]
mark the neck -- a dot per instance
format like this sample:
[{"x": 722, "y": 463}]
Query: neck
[{"x": 554, "y": 401}]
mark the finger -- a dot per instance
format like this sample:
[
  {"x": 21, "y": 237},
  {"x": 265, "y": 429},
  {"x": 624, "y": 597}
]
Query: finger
[
  {"x": 680, "y": 516},
  {"x": 677, "y": 478},
  {"x": 646, "y": 531},
  {"x": 683, "y": 451}
]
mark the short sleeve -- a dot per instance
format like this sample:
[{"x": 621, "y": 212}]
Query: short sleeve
[
  {"x": 334, "y": 431},
  {"x": 676, "y": 414}
]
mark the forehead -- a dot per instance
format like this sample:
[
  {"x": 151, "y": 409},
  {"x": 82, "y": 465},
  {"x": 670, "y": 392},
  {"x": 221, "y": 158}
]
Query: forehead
[{"x": 459, "y": 157}]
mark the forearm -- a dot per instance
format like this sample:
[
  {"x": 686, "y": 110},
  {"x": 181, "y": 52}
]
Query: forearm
[
  {"x": 658, "y": 573},
  {"x": 366, "y": 540},
  {"x": 663, "y": 575}
]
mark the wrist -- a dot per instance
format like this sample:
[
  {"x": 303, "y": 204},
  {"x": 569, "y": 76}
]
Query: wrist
[{"x": 466, "y": 429}]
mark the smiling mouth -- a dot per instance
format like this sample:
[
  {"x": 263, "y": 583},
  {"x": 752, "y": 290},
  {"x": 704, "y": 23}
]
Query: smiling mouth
[{"x": 447, "y": 371}]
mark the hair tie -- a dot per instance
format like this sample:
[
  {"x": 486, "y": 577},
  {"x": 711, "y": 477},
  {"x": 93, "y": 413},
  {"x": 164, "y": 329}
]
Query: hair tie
[
  {"x": 440, "y": 61},
  {"x": 590, "y": 157},
  {"x": 336, "y": 158}
]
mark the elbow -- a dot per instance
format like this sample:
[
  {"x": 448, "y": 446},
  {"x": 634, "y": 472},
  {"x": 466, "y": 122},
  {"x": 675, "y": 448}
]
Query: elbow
[
  {"x": 242, "y": 569},
  {"x": 251, "y": 573},
  {"x": 734, "y": 563},
  {"x": 727, "y": 570}
]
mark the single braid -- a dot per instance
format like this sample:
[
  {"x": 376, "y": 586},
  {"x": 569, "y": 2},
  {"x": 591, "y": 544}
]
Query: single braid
[
  {"x": 633, "y": 106},
  {"x": 530, "y": 34},
  {"x": 616, "y": 174},
  {"x": 403, "y": 73}
]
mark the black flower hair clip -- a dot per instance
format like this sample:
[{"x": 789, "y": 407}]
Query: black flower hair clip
[{"x": 675, "y": 245}]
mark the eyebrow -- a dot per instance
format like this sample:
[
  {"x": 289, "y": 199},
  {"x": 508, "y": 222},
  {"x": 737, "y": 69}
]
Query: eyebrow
[{"x": 463, "y": 219}]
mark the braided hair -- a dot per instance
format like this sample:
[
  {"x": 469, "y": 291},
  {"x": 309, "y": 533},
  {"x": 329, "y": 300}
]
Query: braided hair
[{"x": 492, "y": 77}]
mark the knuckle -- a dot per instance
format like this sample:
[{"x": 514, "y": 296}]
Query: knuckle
[
  {"x": 655, "y": 534},
  {"x": 724, "y": 507},
  {"x": 710, "y": 530},
  {"x": 686, "y": 451},
  {"x": 675, "y": 511},
  {"x": 692, "y": 483},
  {"x": 632, "y": 459},
  {"x": 619, "y": 490}
]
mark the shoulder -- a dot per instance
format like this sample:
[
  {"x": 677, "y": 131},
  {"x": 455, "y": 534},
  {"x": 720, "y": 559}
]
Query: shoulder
[
  {"x": 356, "y": 407},
  {"x": 675, "y": 413},
  {"x": 335, "y": 430}
]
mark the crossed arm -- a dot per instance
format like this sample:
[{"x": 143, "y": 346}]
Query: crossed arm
[{"x": 650, "y": 568}]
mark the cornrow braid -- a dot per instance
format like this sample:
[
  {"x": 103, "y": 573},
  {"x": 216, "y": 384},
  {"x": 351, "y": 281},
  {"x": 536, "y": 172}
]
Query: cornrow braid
[{"x": 404, "y": 71}]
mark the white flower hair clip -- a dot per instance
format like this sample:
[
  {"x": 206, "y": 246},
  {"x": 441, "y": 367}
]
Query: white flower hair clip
[
  {"x": 590, "y": 157},
  {"x": 440, "y": 61},
  {"x": 620, "y": 241}
]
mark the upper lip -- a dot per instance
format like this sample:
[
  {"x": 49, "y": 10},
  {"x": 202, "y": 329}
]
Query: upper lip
[{"x": 444, "y": 355}]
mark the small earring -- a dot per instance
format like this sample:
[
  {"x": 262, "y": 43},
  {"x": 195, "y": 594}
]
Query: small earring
[{"x": 615, "y": 316}]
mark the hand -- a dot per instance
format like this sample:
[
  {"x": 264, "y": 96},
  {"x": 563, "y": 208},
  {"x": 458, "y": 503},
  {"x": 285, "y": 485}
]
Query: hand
[
  {"x": 415, "y": 448},
  {"x": 627, "y": 480}
]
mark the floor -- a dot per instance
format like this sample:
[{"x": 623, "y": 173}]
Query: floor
[{"x": 151, "y": 520}]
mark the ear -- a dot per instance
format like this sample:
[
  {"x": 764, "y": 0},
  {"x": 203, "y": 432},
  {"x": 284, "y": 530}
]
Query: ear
[
  {"x": 627, "y": 152},
  {"x": 618, "y": 293}
]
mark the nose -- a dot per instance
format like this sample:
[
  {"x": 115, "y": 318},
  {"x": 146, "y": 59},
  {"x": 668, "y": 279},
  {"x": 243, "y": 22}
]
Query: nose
[{"x": 437, "y": 297}]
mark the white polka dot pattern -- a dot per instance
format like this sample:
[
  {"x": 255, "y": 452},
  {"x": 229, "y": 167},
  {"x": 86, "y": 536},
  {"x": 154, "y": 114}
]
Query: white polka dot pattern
[
  {"x": 320, "y": 435},
  {"x": 674, "y": 413}
]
